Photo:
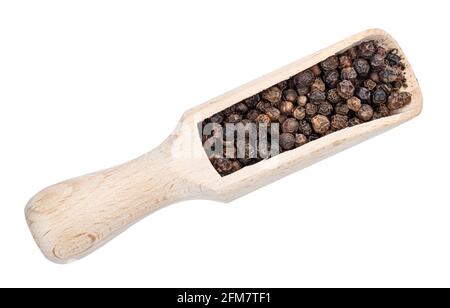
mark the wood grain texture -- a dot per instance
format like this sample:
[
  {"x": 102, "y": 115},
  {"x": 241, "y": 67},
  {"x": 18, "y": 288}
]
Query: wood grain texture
[{"x": 73, "y": 218}]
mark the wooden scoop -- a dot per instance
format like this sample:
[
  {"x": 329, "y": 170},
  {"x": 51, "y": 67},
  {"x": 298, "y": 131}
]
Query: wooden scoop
[{"x": 73, "y": 218}]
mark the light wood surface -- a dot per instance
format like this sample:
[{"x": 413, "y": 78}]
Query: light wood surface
[{"x": 73, "y": 218}]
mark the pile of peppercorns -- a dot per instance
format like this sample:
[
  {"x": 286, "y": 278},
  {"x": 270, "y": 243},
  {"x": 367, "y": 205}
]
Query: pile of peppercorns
[{"x": 362, "y": 84}]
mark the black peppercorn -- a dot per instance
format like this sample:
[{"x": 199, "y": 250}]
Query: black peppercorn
[
  {"x": 353, "y": 52},
  {"x": 331, "y": 78},
  {"x": 263, "y": 118},
  {"x": 354, "y": 121},
  {"x": 262, "y": 106},
  {"x": 363, "y": 94},
  {"x": 362, "y": 67},
  {"x": 365, "y": 113},
  {"x": 286, "y": 107},
  {"x": 345, "y": 89},
  {"x": 349, "y": 73},
  {"x": 252, "y": 101},
  {"x": 217, "y": 118},
  {"x": 374, "y": 77},
  {"x": 304, "y": 79},
  {"x": 370, "y": 84},
  {"x": 241, "y": 108},
  {"x": 272, "y": 95},
  {"x": 229, "y": 111},
  {"x": 320, "y": 124},
  {"x": 287, "y": 141},
  {"x": 339, "y": 121},
  {"x": 299, "y": 113},
  {"x": 273, "y": 113},
  {"x": 367, "y": 49},
  {"x": 300, "y": 140},
  {"x": 302, "y": 100},
  {"x": 290, "y": 95},
  {"x": 282, "y": 118},
  {"x": 311, "y": 109},
  {"x": 325, "y": 108},
  {"x": 331, "y": 63},
  {"x": 316, "y": 97},
  {"x": 282, "y": 85},
  {"x": 377, "y": 63},
  {"x": 302, "y": 90},
  {"x": 234, "y": 118},
  {"x": 290, "y": 126},
  {"x": 383, "y": 110},
  {"x": 345, "y": 61},
  {"x": 223, "y": 166},
  {"x": 388, "y": 75},
  {"x": 252, "y": 115},
  {"x": 354, "y": 103},
  {"x": 313, "y": 137},
  {"x": 316, "y": 70},
  {"x": 392, "y": 58},
  {"x": 333, "y": 96},
  {"x": 341, "y": 108},
  {"x": 398, "y": 100},
  {"x": 379, "y": 96},
  {"x": 318, "y": 85},
  {"x": 305, "y": 128}
]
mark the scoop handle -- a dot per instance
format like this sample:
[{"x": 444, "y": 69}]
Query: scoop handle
[{"x": 73, "y": 218}]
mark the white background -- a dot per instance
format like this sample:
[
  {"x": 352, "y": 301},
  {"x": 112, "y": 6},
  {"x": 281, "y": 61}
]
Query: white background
[{"x": 85, "y": 85}]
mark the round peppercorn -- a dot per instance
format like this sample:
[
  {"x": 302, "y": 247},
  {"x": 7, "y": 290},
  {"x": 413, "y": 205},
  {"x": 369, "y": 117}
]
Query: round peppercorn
[
  {"x": 300, "y": 140},
  {"x": 388, "y": 75},
  {"x": 333, "y": 96},
  {"x": 353, "y": 52},
  {"x": 282, "y": 118},
  {"x": 316, "y": 97},
  {"x": 354, "y": 121},
  {"x": 217, "y": 118},
  {"x": 262, "y": 106},
  {"x": 365, "y": 113},
  {"x": 331, "y": 78},
  {"x": 241, "y": 108},
  {"x": 370, "y": 84},
  {"x": 349, "y": 73},
  {"x": 339, "y": 121},
  {"x": 234, "y": 118},
  {"x": 290, "y": 95},
  {"x": 354, "y": 103},
  {"x": 252, "y": 101},
  {"x": 341, "y": 108},
  {"x": 345, "y": 61},
  {"x": 305, "y": 128},
  {"x": 316, "y": 70},
  {"x": 311, "y": 109},
  {"x": 377, "y": 63},
  {"x": 383, "y": 110},
  {"x": 286, "y": 107},
  {"x": 302, "y": 100},
  {"x": 302, "y": 90},
  {"x": 263, "y": 118},
  {"x": 299, "y": 113},
  {"x": 304, "y": 79},
  {"x": 367, "y": 49},
  {"x": 325, "y": 108},
  {"x": 379, "y": 96},
  {"x": 318, "y": 85},
  {"x": 273, "y": 113},
  {"x": 290, "y": 125},
  {"x": 392, "y": 58},
  {"x": 363, "y": 94},
  {"x": 272, "y": 95},
  {"x": 362, "y": 67},
  {"x": 320, "y": 124},
  {"x": 282, "y": 85},
  {"x": 331, "y": 63},
  {"x": 287, "y": 141},
  {"x": 252, "y": 115},
  {"x": 345, "y": 89}
]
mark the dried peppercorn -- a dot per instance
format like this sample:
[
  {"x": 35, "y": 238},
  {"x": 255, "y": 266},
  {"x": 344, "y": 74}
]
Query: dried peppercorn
[
  {"x": 262, "y": 106},
  {"x": 234, "y": 117},
  {"x": 333, "y": 96},
  {"x": 331, "y": 78},
  {"x": 300, "y": 140},
  {"x": 290, "y": 95},
  {"x": 302, "y": 90},
  {"x": 345, "y": 61},
  {"x": 341, "y": 108},
  {"x": 311, "y": 109},
  {"x": 325, "y": 108},
  {"x": 345, "y": 89},
  {"x": 370, "y": 84},
  {"x": 273, "y": 113},
  {"x": 392, "y": 58},
  {"x": 263, "y": 118},
  {"x": 241, "y": 108},
  {"x": 354, "y": 103},
  {"x": 305, "y": 128},
  {"x": 377, "y": 63},
  {"x": 318, "y": 85},
  {"x": 383, "y": 110},
  {"x": 339, "y": 121},
  {"x": 363, "y": 94},
  {"x": 272, "y": 95},
  {"x": 223, "y": 165},
  {"x": 316, "y": 97},
  {"x": 353, "y": 52},
  {"x": 354, "y": 121},
  {"x": 349, "y": 73},
  {"x": 388, "y": 75},
  {"x": 320, "y": 124},
  {"x": 367, "y": 49},
  {"x": 286, "y": 107},
  {"x": 287, "y": 141},
  {"x": 290, "y": 126},
  {"x": 252, "y": 115},
  {"x": 331, "y": 63},
  {"x": 252, "y": 101},
  {"x": 365, "y": 113},
  {"x": 299, "y": 113},
  {"x": 217, "y": 118},
  {"x": 302, "y": 100},
  {"x": 316, "y": 70},
  {"x": 362, "y": 67},
  {"x": 304, "y": 79},
  {"x": 398, "y": 100},
  {"x": 379, "y": 96}
]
